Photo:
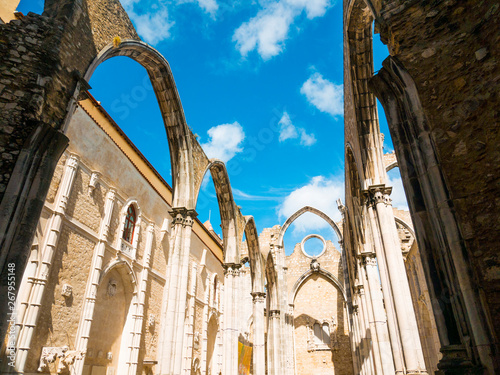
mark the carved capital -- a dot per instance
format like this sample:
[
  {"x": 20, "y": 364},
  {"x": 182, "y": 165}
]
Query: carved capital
[
  {"x": 183, "y": 216},
  {"x": 369, "y": 259},
  {"x": 380, "y": 194},
  {"x": 258, "y": 297},
  {"x": 73, "y": 161},
  {"x": 274, "y": 314},
  {"x": 231, "y": 269}
]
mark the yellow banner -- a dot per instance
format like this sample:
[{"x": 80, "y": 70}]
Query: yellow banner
[{"x": 244, "y": 359}]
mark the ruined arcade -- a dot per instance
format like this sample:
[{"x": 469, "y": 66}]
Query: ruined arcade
[{"x": 117, "y": 275}]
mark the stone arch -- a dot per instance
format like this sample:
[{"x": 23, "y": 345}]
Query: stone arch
[
  {"x": 109, "y": 335},
  {"x": 124, "y": 269},
  {"x": 179, "y": 136},
  {"x": 255, "y": 256},
  {"x": 301, "y": 211},
  {"x": 227, "y": 208},
  {"x": 306, "y": 275}
]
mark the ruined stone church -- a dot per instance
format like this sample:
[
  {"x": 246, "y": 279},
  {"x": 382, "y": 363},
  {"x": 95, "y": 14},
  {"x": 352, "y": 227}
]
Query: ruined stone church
[{"x": 108, "y": 271}]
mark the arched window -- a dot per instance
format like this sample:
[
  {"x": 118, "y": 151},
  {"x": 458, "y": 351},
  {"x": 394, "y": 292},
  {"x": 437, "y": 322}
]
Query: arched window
[{"x": 129, "y": 225}]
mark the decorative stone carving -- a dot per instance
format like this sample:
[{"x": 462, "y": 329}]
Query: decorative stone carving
[
  {"x": 66, "y": 358},
  {"x": 94, "y": 179},
  {"x": 67, "y": 291},
  {"x": 315, "y": 266},
  {"x": 196, "y": 340},
  {"x": 112, "y": 286},
  {"x": 151, "y": 320},
  {"x": 49, "y": 355}
]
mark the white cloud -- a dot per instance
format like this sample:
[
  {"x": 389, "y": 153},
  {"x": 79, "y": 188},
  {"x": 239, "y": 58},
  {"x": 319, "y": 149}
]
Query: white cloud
[
  {"x": 289, "y": 131},
  {"x": 324, "y": 95},
  {"x": 398, "y": 193},
  {"x": 268, "y": 30},
  {"x": 225, "y": 141},
  {"x": 306, "y": 139},
  {"x": 321, "y": 193},
  {"x": 152, "y": 27},
  {"x": 209, "y": 6}
]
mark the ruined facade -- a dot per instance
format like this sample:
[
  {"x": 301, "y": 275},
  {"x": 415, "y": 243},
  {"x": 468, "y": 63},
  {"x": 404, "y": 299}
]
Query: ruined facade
[{"x": 115, "y": 274}]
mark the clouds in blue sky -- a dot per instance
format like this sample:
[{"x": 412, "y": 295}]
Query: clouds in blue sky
[
  {"x": 289, "y": 131},
  {"x": 268, "y": 30},
  {"x": 320, "y": 192},
  {"x": 225, "y": 141},
  {"x": 324, "y": 95}
]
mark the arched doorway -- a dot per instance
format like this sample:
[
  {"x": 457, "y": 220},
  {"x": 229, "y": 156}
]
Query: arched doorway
[{"x": 108, "y": 333}]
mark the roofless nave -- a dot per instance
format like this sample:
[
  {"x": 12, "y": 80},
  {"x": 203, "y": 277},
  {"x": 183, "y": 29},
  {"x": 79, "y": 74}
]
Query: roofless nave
[{"x": 108, "y": 271}]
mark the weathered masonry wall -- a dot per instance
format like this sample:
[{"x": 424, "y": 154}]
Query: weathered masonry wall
[
  {"x": 318, "y": 299},
  {"x": 451, "y": 50}
]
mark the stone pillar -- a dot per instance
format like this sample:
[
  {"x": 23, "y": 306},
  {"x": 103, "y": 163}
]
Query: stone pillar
[
  {"x": 366, "y": 339},
  {"x": 392, "y": 323},
  {"x": 378, "y": 320},
  {"x": 231, "y": 272},
  {"x": 141, "y": 300},
  {"x": 368, "y": 303},
  {"x": 407, "y": 322},
  {"x": 274, "y": 343},
  {"x": 204, "y": 329},
  {"x": 39, "y": 282},
  {"x": 259, "y": 347},
  {"x": 190, "y": 322},
  {"x": 355, "y": 341},
  {"x": 173, "y": 319},
  {"x": 83, "y": 333}
]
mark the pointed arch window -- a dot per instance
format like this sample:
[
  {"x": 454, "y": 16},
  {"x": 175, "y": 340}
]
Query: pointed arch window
[{"x": 129, "y": 225}]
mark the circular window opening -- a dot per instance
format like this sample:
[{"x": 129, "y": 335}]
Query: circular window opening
[{"x": 313, "y": 245}]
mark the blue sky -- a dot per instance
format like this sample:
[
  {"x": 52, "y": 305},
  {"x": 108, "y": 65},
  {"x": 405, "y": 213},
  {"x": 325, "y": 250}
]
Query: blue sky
[{"x": 261, "y": 85}]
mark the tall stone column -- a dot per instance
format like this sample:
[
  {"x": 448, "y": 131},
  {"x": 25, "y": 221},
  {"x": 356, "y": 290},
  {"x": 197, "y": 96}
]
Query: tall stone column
[
  {"x": 204, "y": 329},
  {"x": 407, "y": 322},
  {"x": 259, "y": 347},
  {"x": 392, "y": 323},
  {"x": 368, "y": 303},
  {"x": 231, "y": 273},
  {"x": 83, "y": 333},
  {"x": 141, "y": 300},
  {"x": 173, "y": 319},
  {"x": 190, "y": 322},
  {"x": 39, "y": 282},
  {"x": 274, "y": 343},
  {"x": 379, "y": 321},
  {"x": 366, "y": 339}
]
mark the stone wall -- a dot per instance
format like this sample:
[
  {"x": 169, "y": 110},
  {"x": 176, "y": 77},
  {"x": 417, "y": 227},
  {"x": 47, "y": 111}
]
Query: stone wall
[
  {"x": 451, "y": 51},
  {"x": 319, "y": 299}
]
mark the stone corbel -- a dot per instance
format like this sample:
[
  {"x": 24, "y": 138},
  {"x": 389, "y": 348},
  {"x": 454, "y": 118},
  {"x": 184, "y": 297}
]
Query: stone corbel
[{"x": 94, "y": 180}]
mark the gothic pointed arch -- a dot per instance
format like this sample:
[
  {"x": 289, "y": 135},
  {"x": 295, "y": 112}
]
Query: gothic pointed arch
[
  {"x": 255, "y": 256},
  {"x": 232, "y": 228},
  {"x": 325, "y": 273},
  {"x": 180, "y": 137},
  {"x": 312, "y": 210}
]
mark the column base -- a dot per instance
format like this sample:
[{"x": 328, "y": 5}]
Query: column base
[{"x": 455, "y": 361}]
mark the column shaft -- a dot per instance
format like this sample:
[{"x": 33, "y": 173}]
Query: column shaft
[
  {"x": 259, "y": 351},
  {"x": 407, "y": 322}
]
